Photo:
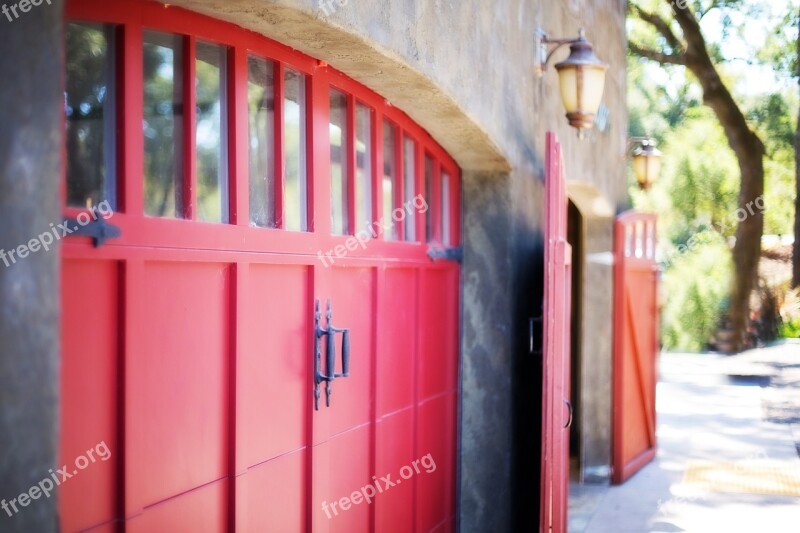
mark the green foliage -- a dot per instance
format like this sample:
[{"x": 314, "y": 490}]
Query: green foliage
[
  {"x": 697, "y": 194},
  {"x": 696, "y": 200},
  {"x": 780, "y": 46},
  {"x": 789, "y": 310},
  {"x": 654, "y": 109},
  {"x": 774, "y": 121},
  {"x": 696, "y": 283},
  {"x": 699, "y": 181},
  {"x": 790, "y": 330}
]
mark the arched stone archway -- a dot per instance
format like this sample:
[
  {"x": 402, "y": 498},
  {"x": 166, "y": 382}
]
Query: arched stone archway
[{"x": 303, "y": 25}]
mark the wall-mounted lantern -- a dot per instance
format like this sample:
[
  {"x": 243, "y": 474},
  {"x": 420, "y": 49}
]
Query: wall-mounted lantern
[
  {"x": 581, "y": 77},
  {"x": 646, "y": 161}
]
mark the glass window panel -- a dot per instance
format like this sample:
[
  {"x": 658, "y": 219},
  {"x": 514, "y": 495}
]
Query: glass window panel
[
  {"x": 90, "y": 114},
  {"x": 294, "y": 136},
  {"x": 445, "y": 208},
  {"x": 430, "y": 221},
  {"x": 163, "y": 124},
  {"x": 363, "y": 166},
  {"x": 261, "y": 113},
  {"x": 339, "y": 148},
  {"x": 211, "y": 135},
  {"x": 389, "y": 174},
  {"x": 409, "y": 185}
]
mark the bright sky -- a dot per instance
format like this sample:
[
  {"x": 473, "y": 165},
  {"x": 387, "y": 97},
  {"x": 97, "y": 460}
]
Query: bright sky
[
  {"x": 739, "y": 49},
  {"x": 751, "y": 79}
]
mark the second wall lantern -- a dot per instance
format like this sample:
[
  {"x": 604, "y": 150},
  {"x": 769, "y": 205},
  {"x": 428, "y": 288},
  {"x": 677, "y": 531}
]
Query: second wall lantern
[{"x": 646, "y": 162}]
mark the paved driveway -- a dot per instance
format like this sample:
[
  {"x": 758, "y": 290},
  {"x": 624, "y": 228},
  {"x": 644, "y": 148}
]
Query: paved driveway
[{"x": 729, "y": 439}]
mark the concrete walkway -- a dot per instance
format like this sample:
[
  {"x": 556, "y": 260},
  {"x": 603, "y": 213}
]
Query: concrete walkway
[{"x": 740, "y": 413}]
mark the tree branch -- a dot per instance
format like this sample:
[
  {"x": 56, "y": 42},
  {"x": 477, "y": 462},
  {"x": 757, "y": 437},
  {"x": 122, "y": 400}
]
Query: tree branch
[
  {"x": 715, "y": 94},
  {"x": 659, "y": 57},
  {"x": 661, "y": 25},
  {"x": 713, "y": 5},
  {"x": 695, "y": 42}
]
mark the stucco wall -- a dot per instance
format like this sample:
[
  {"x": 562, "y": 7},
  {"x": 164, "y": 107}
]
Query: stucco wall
[
  {"x": 464, "y": 70},
  {"x": 30, "y": 168}
]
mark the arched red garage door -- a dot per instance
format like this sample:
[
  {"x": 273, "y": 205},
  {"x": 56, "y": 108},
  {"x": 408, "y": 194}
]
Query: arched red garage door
[{"x": 246, "y": 180}]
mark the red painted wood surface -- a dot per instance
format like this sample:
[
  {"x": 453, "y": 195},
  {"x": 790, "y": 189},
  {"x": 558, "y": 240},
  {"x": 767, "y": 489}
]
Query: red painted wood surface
[
  {"x": 635, "y": 343},
  {"x": 556, "y": 415},
  {"x": 187, "y": 346}
]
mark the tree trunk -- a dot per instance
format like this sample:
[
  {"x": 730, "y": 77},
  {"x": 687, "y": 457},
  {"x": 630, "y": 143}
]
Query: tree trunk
[
  {"x": 748, "y": 148},
  {"x": 796, "y": 254},
  {"x": 749, "y": 151},
  {"x": 747, "y": 250}
]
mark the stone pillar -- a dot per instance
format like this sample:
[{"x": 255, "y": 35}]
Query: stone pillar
[
  {"x": 485, "y": 450},
  {"x": 31, "y": 97}
]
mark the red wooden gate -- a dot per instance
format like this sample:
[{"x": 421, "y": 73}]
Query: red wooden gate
[
  {"x": 189, "y": 344},
  {"x": 635, "y": 343},
  {"x": 557, "y": 410}
]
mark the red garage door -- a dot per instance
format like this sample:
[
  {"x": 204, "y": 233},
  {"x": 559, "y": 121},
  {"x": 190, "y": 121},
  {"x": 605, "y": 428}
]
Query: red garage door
[{"x": 219, "y": 187}]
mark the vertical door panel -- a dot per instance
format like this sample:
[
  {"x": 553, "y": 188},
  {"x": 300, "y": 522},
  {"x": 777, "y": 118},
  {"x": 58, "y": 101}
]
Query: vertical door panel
[
  {"x": 346, "y": 462},
  {"x": 105, "y": 528},
  {"x": 202, "y": 510},
  {"x": 342, "y": 461},
  {"x": 275, "y": 495},
  {"x": 394, "y": 445},
  {"x": 276, "y": 355},
  {"x": 436, "y": 438},
  {"x": 438, "y": 326},
  {"x": 636, "y": 437},
  {"x": 396, "y": 319},
  {"x": 351, "y": 294},
  {"x": 445, "y": 527},
  {"x": 273, "y": 398},
  {"x": 556, "y": 410},
  {"x": 89, "y": 390},
  {"x": 177, "y": 403},
  {"x": 395, "y": 390}
]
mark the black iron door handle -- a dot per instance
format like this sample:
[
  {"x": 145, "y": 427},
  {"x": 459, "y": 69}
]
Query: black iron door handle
[
  {"x": 330, "y": 374},
  {"x": 569, "y": 406}
]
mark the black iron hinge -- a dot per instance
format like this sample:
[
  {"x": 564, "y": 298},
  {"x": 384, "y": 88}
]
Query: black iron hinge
[
  {"x": 99, "y": 230},
  {"x": 446, "y": 254}
]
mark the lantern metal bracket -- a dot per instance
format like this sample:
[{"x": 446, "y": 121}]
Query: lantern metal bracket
[
  {"x": 636, "y": 142},
  {"x": 542, "y": 44}
]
